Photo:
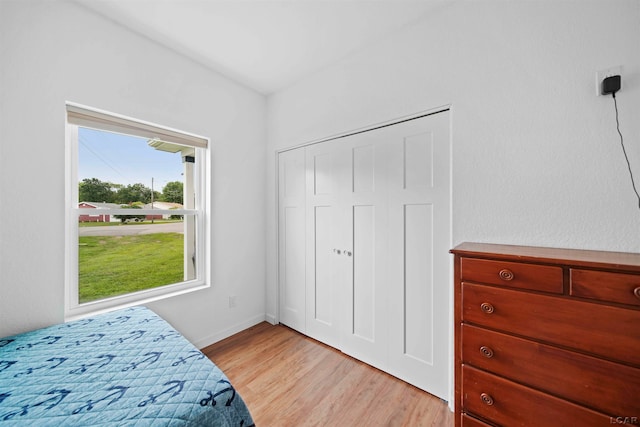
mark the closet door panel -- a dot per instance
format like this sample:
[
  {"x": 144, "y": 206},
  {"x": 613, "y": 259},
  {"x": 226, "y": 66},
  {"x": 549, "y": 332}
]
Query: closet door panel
[
  {"x": 293, "y": 280},
  {"x": 365, "y": 333},
  {"x": 364, "y": 277},
  {"x": 322, "y": 173},
  {"x": 418, "y": 161},
  {"x": 326, "y": 272},
  {"x": 291, "y": 238},
  {"x": 418, "y": 283},
  {"x": 326, "y": 170},
  {"x": 419, "y": 233},
  {"x": 363, "y": 169}
]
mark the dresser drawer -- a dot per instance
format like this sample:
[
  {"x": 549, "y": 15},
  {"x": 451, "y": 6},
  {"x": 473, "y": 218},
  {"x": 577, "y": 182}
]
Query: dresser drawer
[
  {"x": 606, "y": 286},
  {"x": 512, "y": 274},
  {"x": 593, "y": 328},
  {"x": 468, "y": 421},
  {"x": 606, "y": 386},
  {"x": 510, "y": 404}
]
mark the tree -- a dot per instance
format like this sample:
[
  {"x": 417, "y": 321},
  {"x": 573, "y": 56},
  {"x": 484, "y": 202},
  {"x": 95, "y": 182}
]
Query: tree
[
  {"x": 172, "y": 192},
  {"x": 94, "y": 190},
  {"x": 134, "y": 193}
]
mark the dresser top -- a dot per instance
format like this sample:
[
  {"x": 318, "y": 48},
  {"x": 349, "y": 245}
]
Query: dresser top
[{"x": 576, "y": 257}]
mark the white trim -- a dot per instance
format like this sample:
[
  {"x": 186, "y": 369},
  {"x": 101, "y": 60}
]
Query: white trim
[
  {"x": 452, "y": 399},
  {"x": 71, "y": 221},
  {"x": 226, "y": 333},
  {"x": 276, "y": 316},
  {"x": 202, "y": 173},
  {"x": 128, "y": 211},
  {"x": 391, "y": 122},
  {"x": 132, "y": 299},
  {"x": 84, "y": 116},
  {"x": 77, "y": 115},
  {"x": 271, "y": 319}
]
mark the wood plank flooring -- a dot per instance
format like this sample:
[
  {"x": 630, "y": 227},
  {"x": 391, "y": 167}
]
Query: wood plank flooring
[{"x": 288, "y": 379}]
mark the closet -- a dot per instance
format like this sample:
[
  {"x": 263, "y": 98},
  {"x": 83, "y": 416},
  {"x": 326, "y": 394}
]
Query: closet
[{"x": 363, "y": 240}]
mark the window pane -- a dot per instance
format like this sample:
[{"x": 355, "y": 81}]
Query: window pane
[
  {"x": 116, "y": 259},
  {"x": 124, "y": 169},
  {"x": 124, "y": 253}
]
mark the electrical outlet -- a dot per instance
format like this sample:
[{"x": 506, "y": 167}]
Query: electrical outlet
[
  {"x": 608, "y": 72},
  {"x": 232, "y": 301}
]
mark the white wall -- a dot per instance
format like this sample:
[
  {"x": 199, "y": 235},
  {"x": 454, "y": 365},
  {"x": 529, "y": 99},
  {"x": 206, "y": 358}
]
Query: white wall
[
  {"x": 536, "y": 156},
  {"x": 52, "y": 52},
  {"x": 536, "y": 159}
]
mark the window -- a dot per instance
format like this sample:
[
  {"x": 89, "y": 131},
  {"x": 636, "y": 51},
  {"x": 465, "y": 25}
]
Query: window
[{"x": 137, "y": 215}]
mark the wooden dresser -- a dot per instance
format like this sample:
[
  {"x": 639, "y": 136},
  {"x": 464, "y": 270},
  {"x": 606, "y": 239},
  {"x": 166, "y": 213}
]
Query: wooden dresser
[{"x": 546, "y": 337}]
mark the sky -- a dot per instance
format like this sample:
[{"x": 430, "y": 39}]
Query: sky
[{"x": 124, "y": 159}]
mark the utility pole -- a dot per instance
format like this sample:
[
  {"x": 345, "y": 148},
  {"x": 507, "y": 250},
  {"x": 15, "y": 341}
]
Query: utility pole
[{"x": 152, "y": 200}]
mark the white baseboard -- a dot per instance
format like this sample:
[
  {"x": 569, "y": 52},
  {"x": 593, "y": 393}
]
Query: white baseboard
[
  {"x": 270, "y": 318},
  {"x": 219, "y": 336}
]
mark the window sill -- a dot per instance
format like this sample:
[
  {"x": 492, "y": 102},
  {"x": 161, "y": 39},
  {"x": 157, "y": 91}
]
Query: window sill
[{"x": 130, "y": 300}]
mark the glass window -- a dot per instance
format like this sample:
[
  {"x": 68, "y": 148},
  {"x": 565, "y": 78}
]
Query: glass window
[{"x": 136, "y": 211}]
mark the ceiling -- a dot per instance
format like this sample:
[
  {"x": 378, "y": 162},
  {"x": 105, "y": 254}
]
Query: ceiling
[{"x": 264, "y": 44}]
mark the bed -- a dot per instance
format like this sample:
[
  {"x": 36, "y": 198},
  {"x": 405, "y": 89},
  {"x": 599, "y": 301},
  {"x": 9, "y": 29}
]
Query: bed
[{"x": 124, "y": 368}]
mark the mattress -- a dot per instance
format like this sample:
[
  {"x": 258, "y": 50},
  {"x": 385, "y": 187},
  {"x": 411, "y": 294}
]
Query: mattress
[{"x": 124, "y": 368}]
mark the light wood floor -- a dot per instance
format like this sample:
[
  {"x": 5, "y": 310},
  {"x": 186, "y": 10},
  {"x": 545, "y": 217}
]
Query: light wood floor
[{"x": 288, "y": 379}]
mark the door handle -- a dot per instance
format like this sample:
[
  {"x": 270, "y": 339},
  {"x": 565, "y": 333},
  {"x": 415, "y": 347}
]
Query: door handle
[{"x": 340, "y": 252}]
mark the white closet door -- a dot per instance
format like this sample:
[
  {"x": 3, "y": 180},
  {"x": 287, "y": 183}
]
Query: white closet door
[
  {"x": 326, "y": 263},
  {"x": 419, "y": 261},
  {"x": 364, "y": 240},
  {"x": 291, "y": 238},
  {"x": 365, "y": 331}
]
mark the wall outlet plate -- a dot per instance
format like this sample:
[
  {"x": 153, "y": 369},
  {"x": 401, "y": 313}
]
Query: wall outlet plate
[{"x": 607, "y": 72}]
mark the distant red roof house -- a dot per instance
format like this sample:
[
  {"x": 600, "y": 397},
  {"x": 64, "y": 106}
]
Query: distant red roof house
[{"x": 97, "y": 217}]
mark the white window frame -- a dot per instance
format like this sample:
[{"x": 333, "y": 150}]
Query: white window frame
[{"x": 82, "y": 116}]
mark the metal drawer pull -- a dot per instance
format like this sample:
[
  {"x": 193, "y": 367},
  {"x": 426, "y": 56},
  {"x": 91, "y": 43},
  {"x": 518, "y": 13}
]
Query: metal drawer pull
[
  {"x": 486, "y": 352},
  {"x": 486, "y": 399},
  {"x": 506, "y": 274},
  {"x": 636, "y": 292},
  {"x": 486, "y": 308}
]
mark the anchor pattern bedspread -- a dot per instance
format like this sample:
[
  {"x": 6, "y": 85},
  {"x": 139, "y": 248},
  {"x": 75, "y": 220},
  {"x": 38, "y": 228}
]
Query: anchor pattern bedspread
[{"x": 125, "y": 368}]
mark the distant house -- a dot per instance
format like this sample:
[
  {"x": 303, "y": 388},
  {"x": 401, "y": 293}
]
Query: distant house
[
  {"x": 97, "y": 216},
  {"x": 161, "y": 205}
]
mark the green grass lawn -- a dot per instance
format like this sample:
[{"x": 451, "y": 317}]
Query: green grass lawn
[{"x": 116, "y": 265}]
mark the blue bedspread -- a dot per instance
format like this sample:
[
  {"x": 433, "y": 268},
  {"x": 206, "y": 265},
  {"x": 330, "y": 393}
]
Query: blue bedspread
[{"x": 125, "y": 368}]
